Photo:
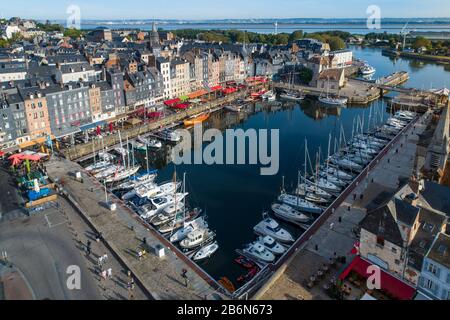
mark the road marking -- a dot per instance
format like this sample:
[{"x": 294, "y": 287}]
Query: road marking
[{"x": 53, "y": 225}]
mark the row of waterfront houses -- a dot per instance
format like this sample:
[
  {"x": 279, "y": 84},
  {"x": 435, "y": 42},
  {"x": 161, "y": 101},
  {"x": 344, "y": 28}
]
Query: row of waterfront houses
[{"x": 55, "y": 86}]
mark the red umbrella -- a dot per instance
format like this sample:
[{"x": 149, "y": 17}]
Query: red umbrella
[
  {"x": 32, "y": 157},
  {"x": 15, "y": 156},
  {"x": 15, "y": 161}
]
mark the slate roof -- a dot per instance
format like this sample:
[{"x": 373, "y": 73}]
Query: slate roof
[
  {"x": 440, "y": 251},
  {"x": 436, "y": 196},
  {"x": 384, "y": 220}
]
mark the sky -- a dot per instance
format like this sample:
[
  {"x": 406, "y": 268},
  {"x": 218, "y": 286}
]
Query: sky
[{"x": 227, "y": 9}]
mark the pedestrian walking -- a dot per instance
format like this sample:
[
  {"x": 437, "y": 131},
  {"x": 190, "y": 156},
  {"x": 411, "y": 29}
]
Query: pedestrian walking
[
  {"x": 184, "y": 276},
  {"x": 104, "y": 274},
  {"x": 109, "y": 273},
  {"x": 105, "y": 257},
  {"x": 144, "y": 241},
  {"x": 140, "y": 255},
  {"x": 100, "y": 262}
]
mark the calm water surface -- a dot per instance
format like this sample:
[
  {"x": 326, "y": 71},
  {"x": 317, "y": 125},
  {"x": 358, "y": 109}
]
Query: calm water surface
[{"x": 234, "y": 196}]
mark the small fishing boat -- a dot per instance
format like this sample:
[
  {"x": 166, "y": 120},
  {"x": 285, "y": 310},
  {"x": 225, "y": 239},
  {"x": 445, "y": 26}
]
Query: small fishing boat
[
  {"x": 272, "y": 245},
  {"x": 367, "y": 70},
  {"x": 206, "y": 251},
  {"x": 227, "y": 284},
  {"x": 196, "y": 119},
  {"x": 244, "y": 262},
  {"x": 121, "y": 151},
  {"x": 138, "y": 146},
  {"x": 197, "y": 238},
  {"x": 287, "y": 213},
  {"x": 250, "y": 275},
  {"x": 269, "y": 227}
]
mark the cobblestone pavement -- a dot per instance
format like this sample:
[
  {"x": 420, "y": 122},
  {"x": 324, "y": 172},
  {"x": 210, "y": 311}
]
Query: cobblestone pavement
[
  {"x": 337, "y": 235},
  {"x": 124, "y": 232}
]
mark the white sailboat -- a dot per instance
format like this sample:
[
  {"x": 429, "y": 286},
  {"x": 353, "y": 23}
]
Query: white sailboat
[
  {"x": 291, "y": 94},
  {"x": 122, "y": 174},
  {"x": 334, "y": 101}
]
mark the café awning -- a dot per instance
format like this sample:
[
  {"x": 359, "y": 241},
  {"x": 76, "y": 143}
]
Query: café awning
[
  {"x": 197, "y": 94},
  {"x": 215, "y": 88},
  {"x": 171, "y": 102},
  {"x": 389, "y": 283}
]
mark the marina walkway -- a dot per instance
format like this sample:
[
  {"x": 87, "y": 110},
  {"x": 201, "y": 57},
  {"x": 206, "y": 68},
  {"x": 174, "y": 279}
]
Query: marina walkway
[
  {"x": 336, "y": 234},
  {"x": 123, "y": 231}
]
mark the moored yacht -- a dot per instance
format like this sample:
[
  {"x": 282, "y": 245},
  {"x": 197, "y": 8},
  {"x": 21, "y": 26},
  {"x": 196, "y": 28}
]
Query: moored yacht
[
  {"x": 197, "y": 238},
  {"x": 287, "y": 213},
  {"x": 272, "y": 245},
  {"x": 269, "y": 227},
  {"x": 256, "y": 251},
  {"x": 299, "y": 203},
  {"x": 169, "y": 135}
]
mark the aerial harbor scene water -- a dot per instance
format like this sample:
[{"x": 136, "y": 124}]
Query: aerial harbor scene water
[{"x": 224, "y": 158}]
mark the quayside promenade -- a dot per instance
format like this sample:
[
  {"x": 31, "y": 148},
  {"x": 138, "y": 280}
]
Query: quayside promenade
[
  {"x": 123, "y": 232},
  {"x": 333, "y": 234},
  {"x": 78, "y": 151}
]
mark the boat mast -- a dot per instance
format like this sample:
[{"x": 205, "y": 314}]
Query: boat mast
[
  {"x": 328, "y": 152},
  {"x": 93, "y": 150},
  {"x": 121, "y": 148},
  {"x": 146, "y": 159}
]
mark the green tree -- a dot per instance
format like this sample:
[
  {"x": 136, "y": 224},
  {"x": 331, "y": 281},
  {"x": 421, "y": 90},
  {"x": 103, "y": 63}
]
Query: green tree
[
  {"x": 420, "y": 42},
  {"x": 73, "y": 33},
  {"x": 281, "y": 38},
  {"x": 336, "y": 43},
  {"x": 317, "y": 37},
  {"x": 296, "y": 35},
  {"x": 4, "y": 43},
  {"x": 305, "y": 75}
]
